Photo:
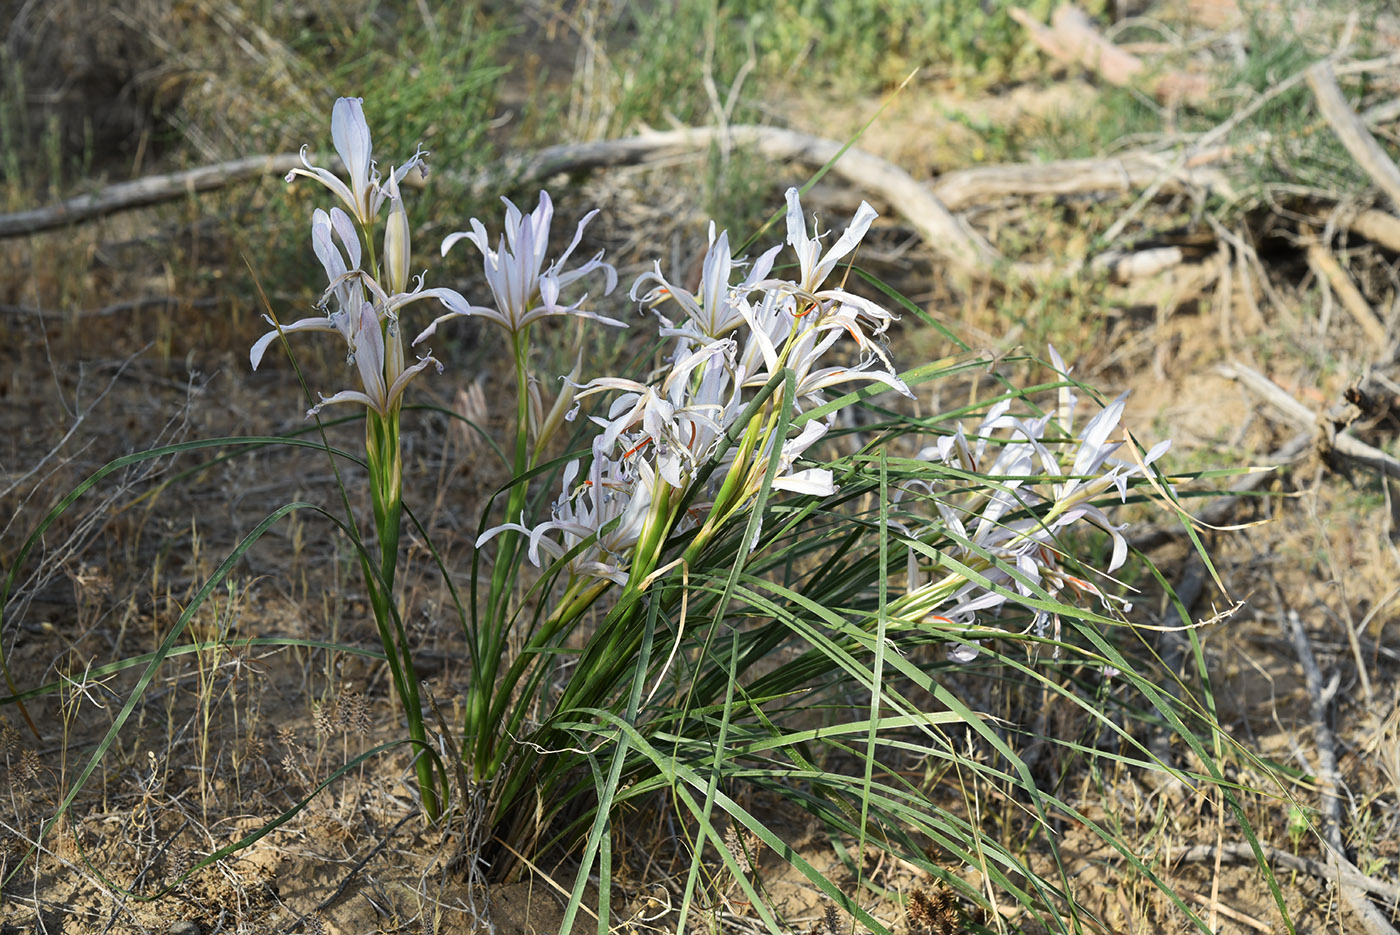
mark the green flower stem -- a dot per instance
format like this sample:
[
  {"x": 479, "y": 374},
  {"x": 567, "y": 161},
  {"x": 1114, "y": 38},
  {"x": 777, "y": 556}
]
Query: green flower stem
[
  {"x": 480, "y": 731},
  {"x": 386, "y": 487},
  {"x": 385, "y": 458},
  {"x": 569, "y": 611}
]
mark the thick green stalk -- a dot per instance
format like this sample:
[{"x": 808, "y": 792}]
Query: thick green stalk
[
  {"x": 386, "y": 493},
  {"x": 480, "y": 732}
]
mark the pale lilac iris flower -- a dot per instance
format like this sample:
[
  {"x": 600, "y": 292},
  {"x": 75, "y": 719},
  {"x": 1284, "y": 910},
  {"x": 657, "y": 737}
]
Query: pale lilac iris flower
[
  {"x": 381, "y": 365},
  {"x": 605, "y": 516},
  {"x": 364, "y": 195},
  {"x": 523, "y": 287}
]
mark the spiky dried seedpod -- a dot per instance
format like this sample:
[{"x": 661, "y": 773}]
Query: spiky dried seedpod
[
  {"x": 26, "y": 771},
  {"x": 322, "y": 719},
  {"x": 287, "y": 737},
  {"x": 920, "y": 910},
  {"x": 180, "y": 859},
  {"x": 945, "y": 914},
  {"x": 934, "y": 915},
  {"x": 352, "y": 712},
  {"x": 315, "y": 924},
  {"x": 9, "y": 738}
]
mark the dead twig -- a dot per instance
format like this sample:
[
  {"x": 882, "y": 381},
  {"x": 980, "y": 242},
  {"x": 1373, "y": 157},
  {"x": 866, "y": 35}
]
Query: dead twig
[
  {"x": 1351, "y": 131},
  {"x": 1072, "y": 39},
  {"x": 1325, "y": 265},
  {"x": 1329, "y": 782},
  {"x": 1296, "y": 413}
]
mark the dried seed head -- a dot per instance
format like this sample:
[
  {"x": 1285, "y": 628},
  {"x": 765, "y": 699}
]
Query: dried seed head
[
  {"x": 934, "y": 915},
  {"x": 181, "y": 859},
  {"x": 322, "y": 719},
  {"x": 352, "y": 712},
  {"x": 28, "y": 768},
  {"x": 920, "y": 909},
  {"x": 945, "y": 914}
]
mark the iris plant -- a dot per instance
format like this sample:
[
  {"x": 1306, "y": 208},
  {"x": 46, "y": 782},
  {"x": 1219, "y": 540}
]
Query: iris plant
[
  {"x": 738, "y": 411},
  {"x": 362, "y": 303}
]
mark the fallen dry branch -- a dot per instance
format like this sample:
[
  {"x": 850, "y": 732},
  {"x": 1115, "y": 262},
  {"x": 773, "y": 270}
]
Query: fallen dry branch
[
  {"x": 1296, "y": 413},
  {"x": 914, "y": 200},
  {"x": 1352, "y": 132},
  {"x": 1377, "y": 226},
  {"x": 921, "y": 205},
  {"x": 125, "y": 196},
  {"x": 1325, "y": 265},
  {"x": 929, "y": 208},
  {"x": 1240, "y": 851},
  {"x": 1072, "y": 39},
  {"x": 116, "y": 308},
  {"x": 1330, "y": 789},
  {"x": 1128, "y": 172}
]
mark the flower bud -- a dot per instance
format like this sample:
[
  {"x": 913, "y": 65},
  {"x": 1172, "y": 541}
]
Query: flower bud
[
  {"x": 563, "y": 403},
  {"x": 396, "y": 240}
]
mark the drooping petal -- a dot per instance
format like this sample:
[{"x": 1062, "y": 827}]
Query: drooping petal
[
  {"x": 816, "y": 482},
  {"x": 318, "y": 323},
  {"x": 344, "y": 396}
]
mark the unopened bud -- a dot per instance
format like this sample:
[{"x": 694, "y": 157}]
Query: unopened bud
[
  {"x": 396, "y": 240},
  {"x": 561, "y": 410}
]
